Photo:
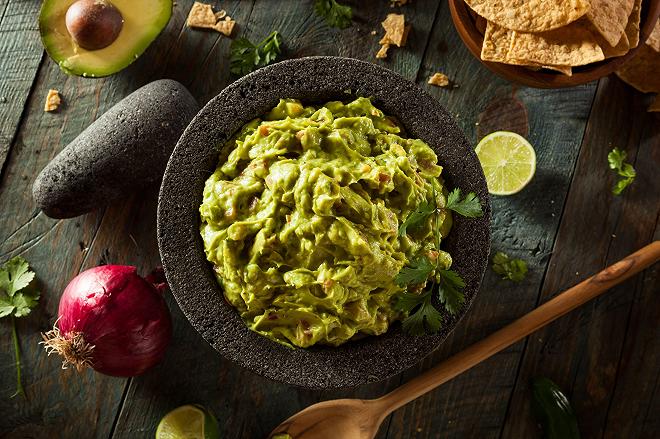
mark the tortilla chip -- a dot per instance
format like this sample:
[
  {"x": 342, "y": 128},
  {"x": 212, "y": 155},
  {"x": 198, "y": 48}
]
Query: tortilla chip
[
  {"x": 439, "y": 80},
  {"x": 632, "y": 28},
  {"x": 201, "y": 15},
  {"x": 572, "y": 45},
  {"x": 610, "y": 18},
  {"x": 395, "y": 30},
  {"x": 225, "y": 27},
  {"x": 220, "y": 14},
  {"x": 566, "y": 70},
  {"x": 653, "y": 41},
  {"x": 531, "y": 16},
  {"x": 655, "y": 105},
  {"x": 642, "y": 70}
]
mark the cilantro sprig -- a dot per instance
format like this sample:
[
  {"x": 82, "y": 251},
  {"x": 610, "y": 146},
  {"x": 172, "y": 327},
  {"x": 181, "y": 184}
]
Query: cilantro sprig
[
  {"x": 617, "y": 161},
  {"x": 511, "y": 269},
  {"x": 335, "y": 14},
  {"x": 16, "y": 300},
  {"x": 469, "y": 207},
  {"x": 446, "y": 285},
  {"x": 247, "y": 56}
]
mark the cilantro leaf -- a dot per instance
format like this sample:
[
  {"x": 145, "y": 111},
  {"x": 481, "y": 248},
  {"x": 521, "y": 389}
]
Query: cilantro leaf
[
  {"x": 450, "y": 290},
  {"x": 335, "y": 14},
  {"x": 469, "y": 207},
  {"x": 416, "y": 218},
  {"x": 247, "y": 56},
  {"x": 417, "y": 272},
  {"x": 17, "y": 301},
  {"x": 6, "y": 306},
  {"x": 511, "y": 269},
  {"x": 423, "y": 317},
  {"x": 616, "y": 159}
]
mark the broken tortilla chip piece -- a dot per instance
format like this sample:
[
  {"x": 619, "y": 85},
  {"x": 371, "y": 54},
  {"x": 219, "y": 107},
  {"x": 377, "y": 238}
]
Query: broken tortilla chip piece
[
  {"x": 439, "y": 80},
  {"x": 395, "y": 30},
  {"x": 572, "y": 45},
  {"x": 610, "y": 18},
  {"x": 382, "y": 52},
  {"x": 531, "y": 15},
  {"x": 642, "y": 70},
  {"x": 201, "y": 15},
  {"x": 653, "y": 40},
  {"x": 53, "y": 100},
  {"x": 225, "y": 27},
  {"x": 632, "y": 28}
]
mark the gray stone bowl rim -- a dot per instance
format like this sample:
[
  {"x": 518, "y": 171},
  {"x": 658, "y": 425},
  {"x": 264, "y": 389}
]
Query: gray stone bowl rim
[{"x": 191, "y": 279}]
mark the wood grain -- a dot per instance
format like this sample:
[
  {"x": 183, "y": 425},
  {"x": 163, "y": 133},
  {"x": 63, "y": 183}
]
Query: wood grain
[
  {"x": 20, "y": 56},
  {"x": 583, "y": 352}
]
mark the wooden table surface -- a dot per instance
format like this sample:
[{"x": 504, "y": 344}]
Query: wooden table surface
[{"x": 566, "y": 224}]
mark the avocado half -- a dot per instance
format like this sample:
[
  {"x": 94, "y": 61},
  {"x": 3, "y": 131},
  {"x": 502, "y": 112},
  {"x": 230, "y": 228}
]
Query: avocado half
[{"x": 143, "y": 21}]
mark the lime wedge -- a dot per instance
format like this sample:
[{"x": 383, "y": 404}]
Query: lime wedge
[
  {"x": 188, "y": 422},
  {"x": 508, "y": 161}
]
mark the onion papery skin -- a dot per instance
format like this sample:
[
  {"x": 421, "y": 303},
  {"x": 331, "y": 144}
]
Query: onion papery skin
[{"x": 121, "y": 315}]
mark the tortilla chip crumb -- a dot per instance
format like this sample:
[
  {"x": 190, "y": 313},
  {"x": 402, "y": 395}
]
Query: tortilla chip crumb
[
  {"x": 202, "y": 16},
  {"x": 53, "y": 100},
  {"x": 439, "y": 80},
  {"x": 382, "y": 53},
  {"x": 373, "y": 32},
  {"x": 655, "y": 105}
]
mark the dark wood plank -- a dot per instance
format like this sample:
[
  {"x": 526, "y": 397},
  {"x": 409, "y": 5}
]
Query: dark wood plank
[
  {"x": 247, "y": 405},
  {"x": 524, "y": 225},
  {"x": 65, "y": 404},
  {"x": 20, "y": 55},
  {"x": 583, "y": 351}
]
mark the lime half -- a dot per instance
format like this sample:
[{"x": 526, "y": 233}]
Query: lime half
[
  {"x": 508, "y": 161},
  {"x": 188, "y": 422}
]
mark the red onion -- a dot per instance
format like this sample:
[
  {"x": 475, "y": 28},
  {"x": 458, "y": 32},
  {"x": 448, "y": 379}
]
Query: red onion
[{"x": 112, "y": 320}]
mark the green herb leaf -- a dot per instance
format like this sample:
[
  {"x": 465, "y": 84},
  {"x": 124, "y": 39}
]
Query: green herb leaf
[
  {"x": 423, "y": 318},
  {"x": 450, "y": 290},
  {"x": 335, "y": 15},
  {"x": 417, "y": 272},
  {"x": 511, "y": 269},
  {"x": 247, "y": 56},
  {"x": 616, "y": 159},
  {"x": 469, "y": 207},
  {"x": 417, "y": 218},
  {"x": 15, "y": 276}
]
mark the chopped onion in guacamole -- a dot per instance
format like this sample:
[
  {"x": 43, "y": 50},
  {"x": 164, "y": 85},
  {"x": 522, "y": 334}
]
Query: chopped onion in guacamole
[{"x": 300, "y": 220}]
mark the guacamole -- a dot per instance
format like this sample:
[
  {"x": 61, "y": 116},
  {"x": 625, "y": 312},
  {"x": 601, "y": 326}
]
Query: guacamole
[{"x": 300, "y": 220}]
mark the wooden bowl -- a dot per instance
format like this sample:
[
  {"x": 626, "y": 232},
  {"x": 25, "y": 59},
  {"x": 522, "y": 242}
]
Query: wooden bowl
[{"x": 468, "y": 29}]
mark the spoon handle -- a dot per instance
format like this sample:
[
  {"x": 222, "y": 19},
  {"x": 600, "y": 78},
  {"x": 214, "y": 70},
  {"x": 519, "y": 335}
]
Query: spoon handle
[{"x": 537, "y": 318}]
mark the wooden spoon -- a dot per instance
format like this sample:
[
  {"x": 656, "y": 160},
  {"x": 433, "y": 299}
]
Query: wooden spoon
[{"x": 361, "y": 418}]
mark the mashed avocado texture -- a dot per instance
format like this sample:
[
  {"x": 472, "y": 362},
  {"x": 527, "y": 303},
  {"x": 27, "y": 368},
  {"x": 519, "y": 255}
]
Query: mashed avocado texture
[{"x": 300, "y": 220}]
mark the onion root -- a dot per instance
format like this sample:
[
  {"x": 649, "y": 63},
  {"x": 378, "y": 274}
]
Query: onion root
[{"x": 72, "y": 347}]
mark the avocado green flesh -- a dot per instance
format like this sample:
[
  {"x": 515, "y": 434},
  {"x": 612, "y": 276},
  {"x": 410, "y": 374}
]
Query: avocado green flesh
[
  {"x": 300, "y": 220},
  {"x": 143, "y": 21}
]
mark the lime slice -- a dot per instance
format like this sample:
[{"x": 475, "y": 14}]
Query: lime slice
[
  {"x": 508, "y": 161},
  {"x": 188, "y": 422}
]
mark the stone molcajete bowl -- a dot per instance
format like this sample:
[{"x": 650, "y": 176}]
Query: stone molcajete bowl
[{"x": 191, "y": 278}]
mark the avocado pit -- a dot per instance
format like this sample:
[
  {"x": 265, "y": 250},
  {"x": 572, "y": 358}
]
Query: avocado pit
[{"x": 93, "y": 24}]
